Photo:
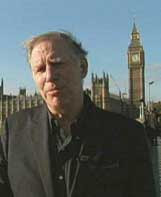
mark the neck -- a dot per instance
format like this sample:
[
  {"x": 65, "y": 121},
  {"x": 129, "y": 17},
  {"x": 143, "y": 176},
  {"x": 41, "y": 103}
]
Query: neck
[{"x": 68, "y": 114}]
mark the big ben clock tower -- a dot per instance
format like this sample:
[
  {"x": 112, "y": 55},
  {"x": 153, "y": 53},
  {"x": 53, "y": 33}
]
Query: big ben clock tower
[{"x": 136, "y": 63}]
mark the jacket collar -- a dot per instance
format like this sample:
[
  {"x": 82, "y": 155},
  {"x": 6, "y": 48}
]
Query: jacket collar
[{"x": 39, "y": 133}]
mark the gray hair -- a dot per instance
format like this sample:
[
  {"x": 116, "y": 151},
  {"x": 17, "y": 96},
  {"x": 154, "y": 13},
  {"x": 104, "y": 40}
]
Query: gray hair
[{"x": 75, "y": 44}]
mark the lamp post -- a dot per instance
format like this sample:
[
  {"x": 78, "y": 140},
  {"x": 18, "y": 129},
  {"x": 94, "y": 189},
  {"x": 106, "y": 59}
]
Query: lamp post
[{"x": 149, "y": 105}]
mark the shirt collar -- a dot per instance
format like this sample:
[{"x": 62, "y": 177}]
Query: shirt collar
[{"x": 81, "y": 119}]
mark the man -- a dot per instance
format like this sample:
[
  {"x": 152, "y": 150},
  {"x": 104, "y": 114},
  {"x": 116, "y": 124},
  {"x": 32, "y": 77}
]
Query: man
[{"x": 68, "y": 147}]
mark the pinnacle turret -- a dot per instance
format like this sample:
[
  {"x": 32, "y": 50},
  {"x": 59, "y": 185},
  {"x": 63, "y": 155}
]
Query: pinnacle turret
[
  {"x": 1, "y": 87},
  {"x": 135, "y": 30},
  {"x": 135, "y": 37}
]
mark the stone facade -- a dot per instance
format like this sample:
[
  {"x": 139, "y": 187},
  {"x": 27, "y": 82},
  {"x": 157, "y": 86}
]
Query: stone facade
[
  {"x": 102, "y": 97},
  {"x": 11, "y": 103}
]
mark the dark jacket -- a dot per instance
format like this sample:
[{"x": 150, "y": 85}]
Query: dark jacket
[{"x": 115, "y": 161}]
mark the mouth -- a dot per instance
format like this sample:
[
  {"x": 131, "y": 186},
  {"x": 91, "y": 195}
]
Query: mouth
[{"x": 54, "y": 92}]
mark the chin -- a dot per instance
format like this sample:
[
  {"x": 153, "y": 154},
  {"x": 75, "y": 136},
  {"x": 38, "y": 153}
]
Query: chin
[
  {"x": 55, "y": 102},
  {"x": 58, "y": 101}
]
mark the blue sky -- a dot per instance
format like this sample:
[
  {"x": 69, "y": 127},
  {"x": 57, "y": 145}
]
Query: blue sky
[{"x": 103, "y": 26}]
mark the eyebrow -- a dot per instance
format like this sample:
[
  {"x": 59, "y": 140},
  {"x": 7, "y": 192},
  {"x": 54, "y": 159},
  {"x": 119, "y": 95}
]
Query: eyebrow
[{"x": 56, "y": 60}]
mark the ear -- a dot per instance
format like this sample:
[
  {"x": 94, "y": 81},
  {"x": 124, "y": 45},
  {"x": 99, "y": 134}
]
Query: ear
[{"x": 84, "y": 67}]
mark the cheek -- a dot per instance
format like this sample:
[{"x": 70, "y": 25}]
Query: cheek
[
  {"x": 40, "y": 81},
  {"x": 74, "y": 83}
]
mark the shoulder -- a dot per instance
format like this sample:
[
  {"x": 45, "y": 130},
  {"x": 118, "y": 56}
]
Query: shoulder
[
  {"x": 123, "y": 133},
  {"x": 26, "y": 112},
  {"x": 113, "y": 124},
  {"x": 115, "y": 119},
  {"x": 24, "y": 116}
]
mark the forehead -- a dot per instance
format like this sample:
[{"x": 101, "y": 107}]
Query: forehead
[{"x": 55, "y": 48}]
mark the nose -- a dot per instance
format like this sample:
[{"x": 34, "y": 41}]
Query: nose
[{"x": 49, "y": 73}]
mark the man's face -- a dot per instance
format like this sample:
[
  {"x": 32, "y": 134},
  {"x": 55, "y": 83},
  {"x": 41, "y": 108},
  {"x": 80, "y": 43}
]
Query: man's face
[{"x": 58, "y": 73}]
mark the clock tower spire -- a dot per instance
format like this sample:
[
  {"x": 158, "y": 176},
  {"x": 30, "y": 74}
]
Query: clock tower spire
[{"x": 136, "y": 64}]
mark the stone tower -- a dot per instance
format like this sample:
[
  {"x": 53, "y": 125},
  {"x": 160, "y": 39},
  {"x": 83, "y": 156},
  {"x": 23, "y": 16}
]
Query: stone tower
[
  {"x": 100, "y": 91},
  {"x": 136, "y": 64}
]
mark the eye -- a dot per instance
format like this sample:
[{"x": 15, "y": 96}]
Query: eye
[
  {"x": 39, "y": 69},
  {"x": 58, "y": 65},
  {"x": 42, "y": 69}
]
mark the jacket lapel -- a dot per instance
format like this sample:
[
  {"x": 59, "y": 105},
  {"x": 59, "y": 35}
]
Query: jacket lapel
[{"x": 39, "y": 136}]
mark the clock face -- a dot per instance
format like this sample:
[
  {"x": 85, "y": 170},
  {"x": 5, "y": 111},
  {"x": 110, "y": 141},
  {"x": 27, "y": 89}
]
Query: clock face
[{"x": 135, "y": 57}]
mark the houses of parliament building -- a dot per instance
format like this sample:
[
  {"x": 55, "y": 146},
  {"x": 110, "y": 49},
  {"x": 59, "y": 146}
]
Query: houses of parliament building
[{"x": 99, "y": 92}]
